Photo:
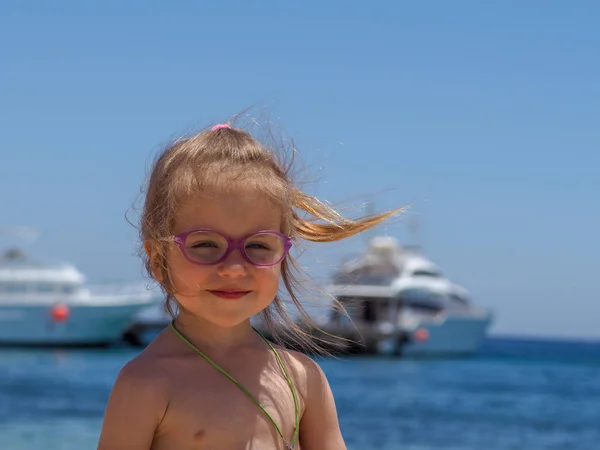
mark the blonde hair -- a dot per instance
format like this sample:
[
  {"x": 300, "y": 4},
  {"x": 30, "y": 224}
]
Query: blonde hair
[{"x": 224, "y": 159}]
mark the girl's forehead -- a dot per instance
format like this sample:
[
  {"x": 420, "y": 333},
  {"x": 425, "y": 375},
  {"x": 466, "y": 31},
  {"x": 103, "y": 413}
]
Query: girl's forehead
[{"x": 235, "y": 213}]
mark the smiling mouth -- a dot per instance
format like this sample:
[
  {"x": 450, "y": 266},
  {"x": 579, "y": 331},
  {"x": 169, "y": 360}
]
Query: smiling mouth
[{"x": 229, "y": 294}]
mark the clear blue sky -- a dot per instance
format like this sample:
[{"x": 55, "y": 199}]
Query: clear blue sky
[{"x": 481, "y": 115}]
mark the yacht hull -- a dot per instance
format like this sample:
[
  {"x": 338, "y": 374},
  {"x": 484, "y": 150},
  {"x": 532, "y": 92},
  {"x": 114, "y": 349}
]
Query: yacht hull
[
  {"x": 85, "y": 325},
  {"x": 446, "y": 335}
]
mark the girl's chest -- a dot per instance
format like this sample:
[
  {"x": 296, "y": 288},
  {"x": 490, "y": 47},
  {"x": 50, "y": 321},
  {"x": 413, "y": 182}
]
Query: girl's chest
[{"x": 215, "y": 413}]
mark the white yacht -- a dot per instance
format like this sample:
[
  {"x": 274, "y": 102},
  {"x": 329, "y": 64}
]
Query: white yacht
[
  {"x": 50, "y": 304},
  {"x": 397, "y": 297}
]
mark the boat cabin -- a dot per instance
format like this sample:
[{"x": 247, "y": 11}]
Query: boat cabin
[
  {"x": 20, "y": 275},
  {"x": 386, "y": 280}
]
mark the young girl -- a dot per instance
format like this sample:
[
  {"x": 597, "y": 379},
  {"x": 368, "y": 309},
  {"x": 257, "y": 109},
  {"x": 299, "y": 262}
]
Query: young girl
[{"x": 219, "y": 218}]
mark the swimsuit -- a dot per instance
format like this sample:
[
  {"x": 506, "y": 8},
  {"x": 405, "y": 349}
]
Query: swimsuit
[{"x": 290, "y": 445}]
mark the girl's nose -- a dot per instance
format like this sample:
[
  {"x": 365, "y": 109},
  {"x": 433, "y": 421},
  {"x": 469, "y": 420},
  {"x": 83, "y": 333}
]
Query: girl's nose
[{"x": 233, "y": 266}]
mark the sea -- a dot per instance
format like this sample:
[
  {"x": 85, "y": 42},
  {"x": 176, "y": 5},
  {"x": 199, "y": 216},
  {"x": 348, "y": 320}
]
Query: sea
[{"x": 515, "y": 394}]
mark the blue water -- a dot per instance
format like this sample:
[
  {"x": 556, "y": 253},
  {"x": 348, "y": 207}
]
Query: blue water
[{"x": 515, "y": 395}]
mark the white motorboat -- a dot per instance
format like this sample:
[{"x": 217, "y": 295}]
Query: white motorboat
[
  {"x": 43, "y": 303},
  {"x": 396, "y": 291}
]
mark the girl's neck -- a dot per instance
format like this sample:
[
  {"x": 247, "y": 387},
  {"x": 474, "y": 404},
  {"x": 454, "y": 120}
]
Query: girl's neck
[{"x": 216, "y": 339}]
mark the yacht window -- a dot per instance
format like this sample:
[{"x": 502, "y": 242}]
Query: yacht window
[
  {"x": 15, "y": 287},
  {"x": 46, "y": 287},
  {"x": 424, "y": 307},
  {"x": 421, "y": 299},
  {"x": 458, "y": 299},
  {"x": 67, "y": 288},
  {"x": 418, "y": 294},
  {"x": 425, "y": 273}
]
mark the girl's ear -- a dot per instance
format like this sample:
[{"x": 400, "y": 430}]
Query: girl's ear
[{"x": 153, "y": 257}]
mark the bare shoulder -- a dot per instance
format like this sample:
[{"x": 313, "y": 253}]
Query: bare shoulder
[
  {"x": 306, "y": 371},
  {"x": 153, "y": 354},
  {"x": 140, "y": 391},
  {"x": 147, "y": 370},
  {"x": 319, "y": 426}
]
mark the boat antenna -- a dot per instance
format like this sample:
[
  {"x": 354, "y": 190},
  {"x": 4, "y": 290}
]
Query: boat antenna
[
  {"x": 370, "y": 211},
  {"x": 413, "y": 232}
]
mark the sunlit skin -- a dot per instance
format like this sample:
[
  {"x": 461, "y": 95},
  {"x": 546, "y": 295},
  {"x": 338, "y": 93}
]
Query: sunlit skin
[
  {"x": 214, "y": 318},
  {"x": 169, "y": 397}
]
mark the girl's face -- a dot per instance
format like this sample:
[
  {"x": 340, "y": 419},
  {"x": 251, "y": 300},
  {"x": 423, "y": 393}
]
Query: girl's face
[{"x": 233, "y": 290}]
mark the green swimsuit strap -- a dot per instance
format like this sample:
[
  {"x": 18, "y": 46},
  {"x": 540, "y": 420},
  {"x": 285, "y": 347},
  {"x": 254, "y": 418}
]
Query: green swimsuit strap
[{"x": 238, "y": 384}]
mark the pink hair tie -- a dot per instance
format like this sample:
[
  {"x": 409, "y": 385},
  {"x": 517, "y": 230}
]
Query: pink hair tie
[{"x": 221, "y": 125}]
